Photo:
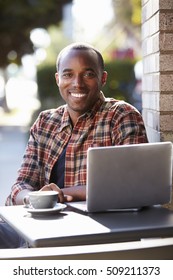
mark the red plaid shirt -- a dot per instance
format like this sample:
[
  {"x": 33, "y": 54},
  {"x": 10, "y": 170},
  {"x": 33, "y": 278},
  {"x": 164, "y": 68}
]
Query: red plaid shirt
[{"x": 110, "y": 122}]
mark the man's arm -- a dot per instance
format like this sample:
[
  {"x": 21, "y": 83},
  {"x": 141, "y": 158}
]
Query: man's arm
[
  {"x": 128, "y": 126},
  {"x": 75, "y": 193}
]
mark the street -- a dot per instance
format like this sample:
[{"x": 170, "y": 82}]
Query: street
[{"x": 12, "y": 145}]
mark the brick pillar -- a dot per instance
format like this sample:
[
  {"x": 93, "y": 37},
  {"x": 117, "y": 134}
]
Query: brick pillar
[
  {"x": 157, "y": 49},
  {"x": 157, "y": 83}
]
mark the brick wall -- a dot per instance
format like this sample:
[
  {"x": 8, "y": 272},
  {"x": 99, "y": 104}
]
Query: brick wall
[
  {"x": 157, "y": 49},
  {"x": 157, "y": 83}
]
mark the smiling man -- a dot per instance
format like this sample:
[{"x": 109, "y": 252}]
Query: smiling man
[{"x": 55, "y": 157}]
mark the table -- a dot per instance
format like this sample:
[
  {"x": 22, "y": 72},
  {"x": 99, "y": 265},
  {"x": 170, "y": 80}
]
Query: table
[
  {"x": 72, "y": 228},
  {"x": 148, "y": 249},
  {"x": 72, "y": 235}
]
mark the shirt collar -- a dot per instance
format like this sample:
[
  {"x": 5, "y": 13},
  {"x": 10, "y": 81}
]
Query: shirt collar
[{"x": 65, "y": 122}]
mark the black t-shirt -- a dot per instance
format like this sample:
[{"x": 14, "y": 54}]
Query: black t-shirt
[{"x": 57, "y": 174}]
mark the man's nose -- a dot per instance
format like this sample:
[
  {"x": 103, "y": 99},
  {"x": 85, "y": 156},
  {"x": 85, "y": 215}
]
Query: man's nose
[{"x": 77, "y": 80}]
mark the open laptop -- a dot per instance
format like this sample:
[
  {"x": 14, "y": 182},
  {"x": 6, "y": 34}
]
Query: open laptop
[{"x": 127, "y": 177}]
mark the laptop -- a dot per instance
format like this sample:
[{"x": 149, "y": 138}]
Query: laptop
[{"x": 127, "y": 177}]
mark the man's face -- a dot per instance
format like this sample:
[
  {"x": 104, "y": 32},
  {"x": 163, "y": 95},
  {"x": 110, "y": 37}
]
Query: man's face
[{"x": 80, "y": 79}]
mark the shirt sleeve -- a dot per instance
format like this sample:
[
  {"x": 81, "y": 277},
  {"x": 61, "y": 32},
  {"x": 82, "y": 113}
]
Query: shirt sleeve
[{"x": 128, "y": 126}]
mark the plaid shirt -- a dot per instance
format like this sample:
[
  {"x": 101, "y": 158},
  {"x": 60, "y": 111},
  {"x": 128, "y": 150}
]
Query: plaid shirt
[{"x": 110, "y": 122}]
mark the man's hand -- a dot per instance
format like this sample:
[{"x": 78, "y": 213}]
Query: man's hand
[
  {"x": 61, "y": 196},
  {"x": 67, "y": 194}
]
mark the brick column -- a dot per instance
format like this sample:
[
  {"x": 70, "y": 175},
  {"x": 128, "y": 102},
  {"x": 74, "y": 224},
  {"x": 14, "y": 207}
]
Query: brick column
[
  {"x": 157, "y": 49},
  {"x": 157, "y": 82}
]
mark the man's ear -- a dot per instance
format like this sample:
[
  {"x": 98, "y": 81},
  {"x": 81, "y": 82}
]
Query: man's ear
[
  {"x": 57, "y": 78},
  {"x": 104, "y": 78}
]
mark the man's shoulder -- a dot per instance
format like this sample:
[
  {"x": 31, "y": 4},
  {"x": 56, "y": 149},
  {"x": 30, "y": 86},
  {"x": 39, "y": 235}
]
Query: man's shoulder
[
  {"x": 52, "y": 114},
  {"x": 49, "y": 119},
  {"x": 115, "y": 104}
]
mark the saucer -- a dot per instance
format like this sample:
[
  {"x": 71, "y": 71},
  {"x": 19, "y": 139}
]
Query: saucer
[{"x": 57, "y": 208}]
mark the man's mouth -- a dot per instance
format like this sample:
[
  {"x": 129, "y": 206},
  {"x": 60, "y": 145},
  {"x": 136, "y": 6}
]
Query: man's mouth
[{"x": 77, "y": 95}]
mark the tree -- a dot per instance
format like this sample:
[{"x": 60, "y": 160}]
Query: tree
[
  {"x": 128, "y": 16},
  {"x": 18, "y": 18}
]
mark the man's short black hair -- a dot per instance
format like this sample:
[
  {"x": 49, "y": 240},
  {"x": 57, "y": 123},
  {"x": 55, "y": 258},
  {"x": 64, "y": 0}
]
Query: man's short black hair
[{"x": 80, "y": 46}]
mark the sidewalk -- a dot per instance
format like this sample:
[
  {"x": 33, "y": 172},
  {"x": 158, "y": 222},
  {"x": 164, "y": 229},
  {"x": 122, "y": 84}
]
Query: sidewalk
[{"x": 13, "y": 139}]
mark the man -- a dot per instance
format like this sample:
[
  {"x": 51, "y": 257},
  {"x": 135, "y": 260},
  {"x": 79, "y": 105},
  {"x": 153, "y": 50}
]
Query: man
[{"x": 55, "y": 157}]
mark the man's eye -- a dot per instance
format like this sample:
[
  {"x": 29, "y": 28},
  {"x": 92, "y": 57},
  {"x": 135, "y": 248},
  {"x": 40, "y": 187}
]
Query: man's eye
[
  {"x": 89, "y": 74},
  {"x": 67, "y": 75}
]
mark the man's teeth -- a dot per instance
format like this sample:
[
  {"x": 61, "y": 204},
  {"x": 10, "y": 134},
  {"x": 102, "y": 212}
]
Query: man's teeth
[{"x": 77, "y": 94}]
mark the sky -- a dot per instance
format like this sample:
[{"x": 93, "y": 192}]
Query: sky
[{"x": 90, "y": 16}]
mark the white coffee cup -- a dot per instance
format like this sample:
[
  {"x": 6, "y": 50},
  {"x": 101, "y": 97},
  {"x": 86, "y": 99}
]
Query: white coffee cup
[{"x": 41, "y": 199}]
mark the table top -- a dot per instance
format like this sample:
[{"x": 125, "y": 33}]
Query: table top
[{"x": 71, "y": 228}]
